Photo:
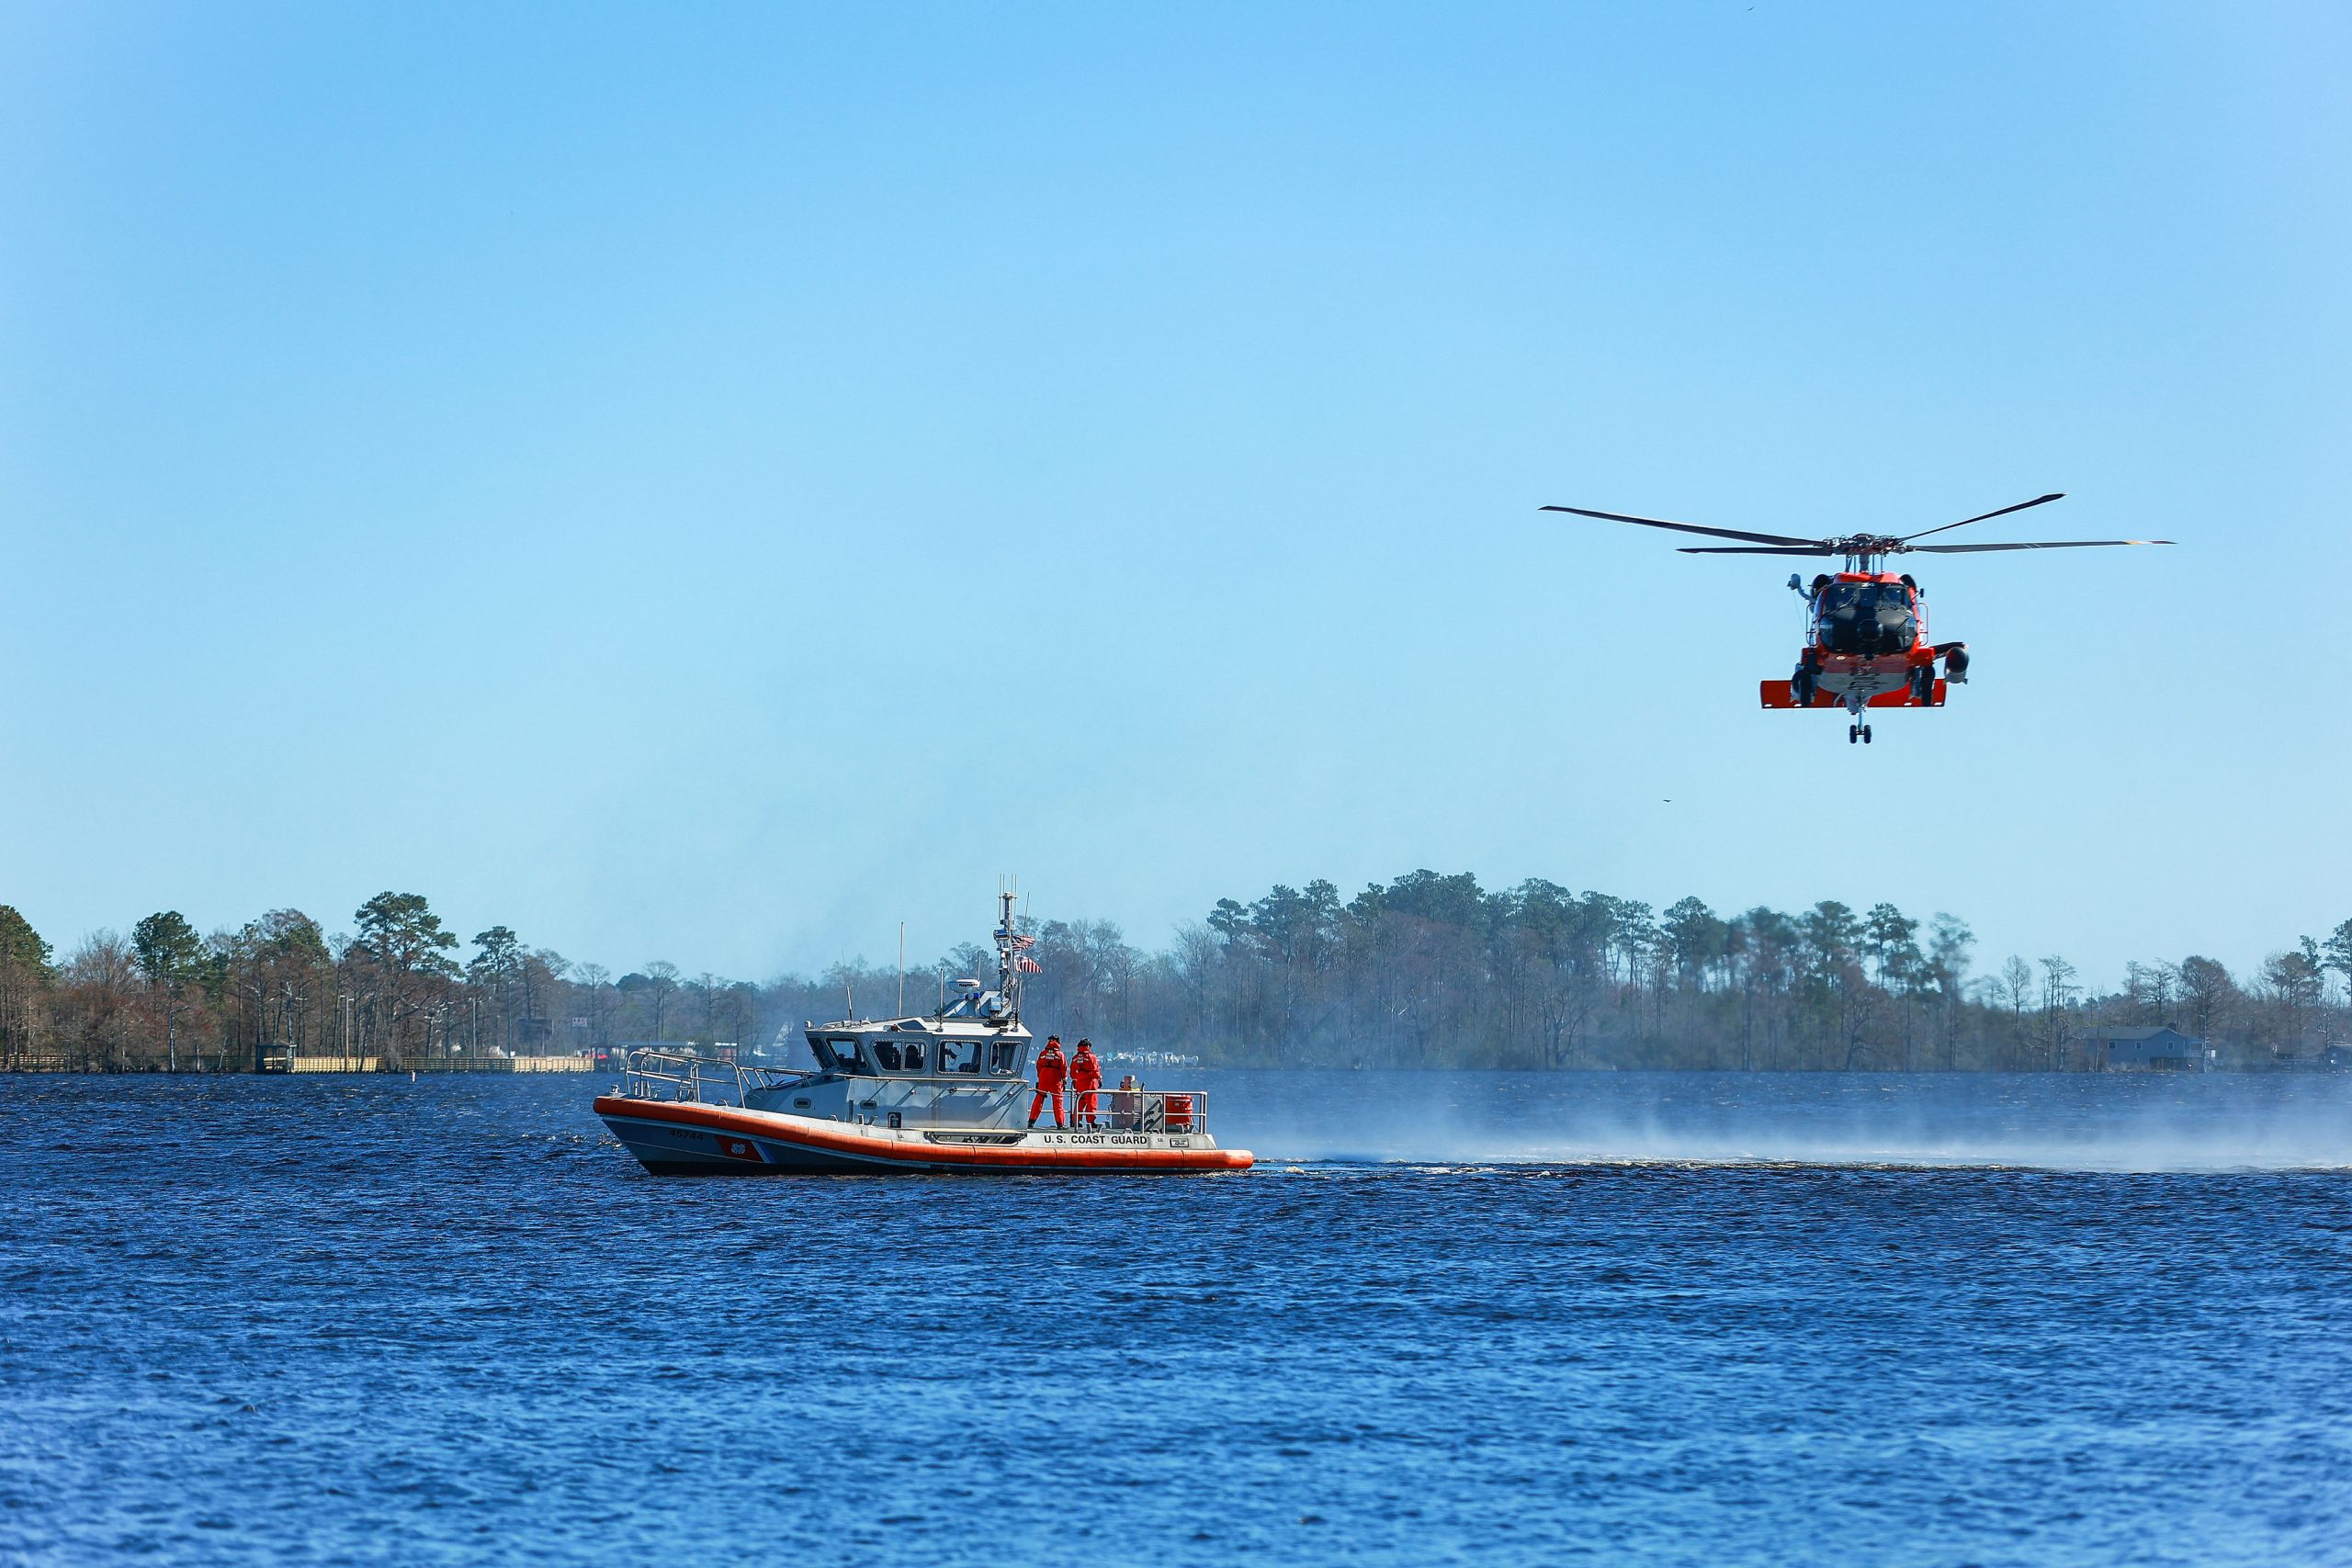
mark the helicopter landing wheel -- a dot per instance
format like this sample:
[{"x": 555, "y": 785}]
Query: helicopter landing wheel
[
  {"x": 1866, "y": 735},
  {"x": 1853, "y": 733}
]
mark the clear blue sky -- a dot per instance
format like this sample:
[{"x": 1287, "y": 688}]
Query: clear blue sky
[{"x": 712, "y": 482}]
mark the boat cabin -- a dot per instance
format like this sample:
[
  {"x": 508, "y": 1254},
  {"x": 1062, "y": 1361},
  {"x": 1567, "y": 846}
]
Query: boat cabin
[
  {"x": 940, "y": 1070},
  {"x": 914, "y": 1048}
]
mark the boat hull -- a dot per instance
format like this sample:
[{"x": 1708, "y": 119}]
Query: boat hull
[{"x": 671, "y": 1138}]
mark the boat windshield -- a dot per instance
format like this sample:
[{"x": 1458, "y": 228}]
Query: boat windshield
[
  {"x": 959, "y": 1055},
  {"x": 842, "y": 1054},
  {"x": 882, "y": 1056},
  {"x": 1004, "y": 1057}
]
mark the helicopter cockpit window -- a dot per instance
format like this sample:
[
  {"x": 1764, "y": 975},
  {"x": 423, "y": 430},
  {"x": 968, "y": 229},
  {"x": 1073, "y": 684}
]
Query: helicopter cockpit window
[{"x": 1866, "y": 617}]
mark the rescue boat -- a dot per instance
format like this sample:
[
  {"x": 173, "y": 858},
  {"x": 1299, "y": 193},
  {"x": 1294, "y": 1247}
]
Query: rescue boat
[{"x": 943, "y": 1092}]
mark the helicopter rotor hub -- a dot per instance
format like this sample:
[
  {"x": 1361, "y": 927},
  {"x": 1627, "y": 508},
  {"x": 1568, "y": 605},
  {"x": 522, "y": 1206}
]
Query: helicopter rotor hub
[{"x": 1862, "y": 546}]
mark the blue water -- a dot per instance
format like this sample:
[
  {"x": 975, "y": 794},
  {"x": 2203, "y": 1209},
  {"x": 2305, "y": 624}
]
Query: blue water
[{"x": 1679, "y": 1319}]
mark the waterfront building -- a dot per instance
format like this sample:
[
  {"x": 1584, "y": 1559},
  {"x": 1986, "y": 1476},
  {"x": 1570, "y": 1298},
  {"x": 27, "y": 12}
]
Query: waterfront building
[{"x": 2147, "y": 1050}]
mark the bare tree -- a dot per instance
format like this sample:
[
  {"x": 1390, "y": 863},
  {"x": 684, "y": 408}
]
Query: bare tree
[
  {"x": 2058, "y": 994},
  {"x": 1949, "y": 943},
  {"x": 592, "y": 986},
  {"x": 2014, "y": 986},
  {"x": 100, "y": 997},
  {"x": 2149, "y": 990},
  {"x": 661, "y": 985}
]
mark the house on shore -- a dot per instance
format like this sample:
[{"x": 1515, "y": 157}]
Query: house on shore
[{"x": 2146, "y": 1050}]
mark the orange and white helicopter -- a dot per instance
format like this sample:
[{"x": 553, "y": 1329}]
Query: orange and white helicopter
[{"x": 1866, "y": 628}]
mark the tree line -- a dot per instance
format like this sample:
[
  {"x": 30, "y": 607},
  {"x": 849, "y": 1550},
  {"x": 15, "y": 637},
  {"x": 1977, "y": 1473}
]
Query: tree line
[
  {"x": 1434, "y": 970},
  {"x": 1427, "y": 970}
]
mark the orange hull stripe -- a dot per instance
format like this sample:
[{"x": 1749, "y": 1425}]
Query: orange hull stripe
[{"x": 719, "y": 1119}]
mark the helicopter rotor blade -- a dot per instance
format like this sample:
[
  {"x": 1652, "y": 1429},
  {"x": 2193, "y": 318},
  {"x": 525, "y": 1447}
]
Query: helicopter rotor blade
[
  {"x": 2040, "y": 545},
  {"x": 1686, "y": 528},
  {"x": 2020, "y": 506},
  {"x": 1755, "y": 550}
]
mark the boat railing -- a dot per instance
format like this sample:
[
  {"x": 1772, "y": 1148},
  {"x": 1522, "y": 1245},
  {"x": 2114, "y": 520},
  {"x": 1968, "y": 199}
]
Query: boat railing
[
  {"x": 1126, "y": 1110},
  {"x": 883, "y": 1100},
  {"x": 694, "y": 1079},
  {"x": 1150, "y": 1109}
]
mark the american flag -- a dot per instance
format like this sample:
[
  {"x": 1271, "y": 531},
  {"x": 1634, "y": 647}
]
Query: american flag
[
  {"x": 1020, "y": 942},
  {"x": 1029, "y": 967}
]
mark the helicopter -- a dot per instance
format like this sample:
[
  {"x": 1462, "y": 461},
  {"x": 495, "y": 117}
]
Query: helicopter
[{"x": 1865, "y": 643}]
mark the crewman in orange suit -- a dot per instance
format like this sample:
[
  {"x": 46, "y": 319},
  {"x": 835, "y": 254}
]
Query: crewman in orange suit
[
  {"x": 1085, "y": 1078},
  {"x": 1050, "y": 1070}
]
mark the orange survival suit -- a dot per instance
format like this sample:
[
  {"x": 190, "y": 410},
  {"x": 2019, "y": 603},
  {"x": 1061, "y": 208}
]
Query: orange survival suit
[
  {"x": 1050, "y": 1069},
  {"x": 1085, "y": 1078}
]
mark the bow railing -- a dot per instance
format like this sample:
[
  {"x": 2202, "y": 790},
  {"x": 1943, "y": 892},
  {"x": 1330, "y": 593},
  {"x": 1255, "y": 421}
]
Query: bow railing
[{"x": 692, "y": 1079}]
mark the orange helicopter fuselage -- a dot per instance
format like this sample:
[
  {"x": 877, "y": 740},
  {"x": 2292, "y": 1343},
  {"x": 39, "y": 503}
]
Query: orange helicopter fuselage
[{"x": 1867, "y": 636}]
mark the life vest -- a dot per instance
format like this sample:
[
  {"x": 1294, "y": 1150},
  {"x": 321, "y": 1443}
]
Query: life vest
[
  {"x": 1086, "y": 1070},
  {"x": 1050, "y": 1068}
]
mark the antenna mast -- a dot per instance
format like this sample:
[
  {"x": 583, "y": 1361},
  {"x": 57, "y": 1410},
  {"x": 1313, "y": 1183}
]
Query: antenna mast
[{"x": 1008, "y": 967}]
